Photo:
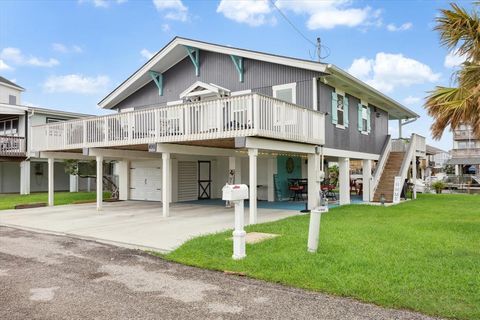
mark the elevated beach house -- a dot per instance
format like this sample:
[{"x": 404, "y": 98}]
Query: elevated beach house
[{"x": 198, "y": 115}]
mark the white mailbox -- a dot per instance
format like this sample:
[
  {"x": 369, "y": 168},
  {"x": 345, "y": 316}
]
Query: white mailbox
[{"x": 235, "y": 192}]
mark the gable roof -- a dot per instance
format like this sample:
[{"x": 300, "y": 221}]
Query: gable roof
[
  {"x": 20, "y": 110},
  {"x": 175, "y": 51},
  {"x": 10, "y": 84}
]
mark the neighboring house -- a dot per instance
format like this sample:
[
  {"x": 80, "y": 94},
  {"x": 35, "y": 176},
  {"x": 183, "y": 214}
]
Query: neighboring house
[
  {"x": 466, "y": 151},
  {"x": 210, "y": 111},
  {"x": 435, "y": 162},
  {"x": 19, "y": 171}
]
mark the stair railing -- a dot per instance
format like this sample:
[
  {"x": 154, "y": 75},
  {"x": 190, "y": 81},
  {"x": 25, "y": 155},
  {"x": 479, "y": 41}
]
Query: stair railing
[
  {"x": 382, "y": 161},
  {"x": 409, "y": 155}
]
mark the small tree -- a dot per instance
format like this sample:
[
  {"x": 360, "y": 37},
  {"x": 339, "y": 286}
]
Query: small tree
[
  {"x": 333, "y": 175},
  {"x": 438, "y": 186}
]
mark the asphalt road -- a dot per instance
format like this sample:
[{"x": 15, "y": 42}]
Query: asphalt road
[{"x": 52, "y": 277}]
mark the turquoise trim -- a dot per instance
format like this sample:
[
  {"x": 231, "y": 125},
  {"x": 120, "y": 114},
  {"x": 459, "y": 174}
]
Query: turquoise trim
[
  {"x": 360, "y": 117},
  {"x": 158, "y": 79},
  {"x": 238, "y": 62},
  {"x": 194, "y": 55},
  {"x": 334, "y": 108},
  {"x": 368, "y": 119}
]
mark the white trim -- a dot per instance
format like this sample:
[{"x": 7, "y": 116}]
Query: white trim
[
  {"x": 195, "y": 150},
  {"x": 239, "y": 93},
  {"x": 174, "y": 103},
  {"x": 127, "y": 109},
  {"x": 277, "y": 145},
  {"x": 340, "y": 126},
  {"x": 292, "y": 86},
  {"x": 12, "y": 87},
  {"x": 209, "y": 89},
  {"x": 315, "y": 93},
  {"x": 330, "y": 152}
]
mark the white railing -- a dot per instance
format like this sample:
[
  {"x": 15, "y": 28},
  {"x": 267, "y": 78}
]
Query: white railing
[
  {"x": 401, "y": 145},
  {"x": 11, "y": 146},
  {"x": 246, "y": 115},
  {"x": 375, "y": 180}
]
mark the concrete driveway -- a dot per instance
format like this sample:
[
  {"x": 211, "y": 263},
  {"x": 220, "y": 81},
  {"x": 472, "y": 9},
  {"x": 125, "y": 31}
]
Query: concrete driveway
[
  {"x": 135, "y": 224},
  {"x": 50, "y": 277}
]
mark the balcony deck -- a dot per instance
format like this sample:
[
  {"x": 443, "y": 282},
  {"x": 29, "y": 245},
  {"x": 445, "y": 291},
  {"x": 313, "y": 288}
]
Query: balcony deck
[
  {"x": 220, "y": 119},
  {"x": 11, "y": 146}
]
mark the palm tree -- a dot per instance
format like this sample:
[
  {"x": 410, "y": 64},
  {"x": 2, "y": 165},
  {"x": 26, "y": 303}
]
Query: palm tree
[{"x": 452, "y": 106}]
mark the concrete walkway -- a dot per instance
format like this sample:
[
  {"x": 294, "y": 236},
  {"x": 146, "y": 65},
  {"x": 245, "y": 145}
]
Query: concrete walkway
[
  {"x": 50, "y": 277},
  {"x": 134, "y": 224}
]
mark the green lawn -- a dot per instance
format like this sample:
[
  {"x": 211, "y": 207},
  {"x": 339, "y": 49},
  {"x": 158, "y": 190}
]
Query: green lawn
[
  {"x": 422, "y": 255},
  {"x": 8, "y": 201}
]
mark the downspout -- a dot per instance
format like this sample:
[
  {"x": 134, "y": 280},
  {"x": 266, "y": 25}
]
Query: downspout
[{"x": 27, "y": 132}]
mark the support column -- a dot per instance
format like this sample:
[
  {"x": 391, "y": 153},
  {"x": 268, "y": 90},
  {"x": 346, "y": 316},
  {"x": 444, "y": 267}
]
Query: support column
[
  {"x": 73, "y": 183},
  {"x": 99, "y": 182},
  {"x": 414, "y": 176},
  {"x": 51, "y": 185},
  {"x": 25, "y": 177},
  {"x": 367, "y": 179},
  {"x": 166, "y": 184},
  {"x": 252, "y": 157},
  {"x": 400, "y": 128},
  {"x": 271, "y": 171},
  {"x": 344, "y": 180},
  {"x": 313, "y": 181},
  {"x": 457, "y": 170},
  {"x": 123, "y": 175}
]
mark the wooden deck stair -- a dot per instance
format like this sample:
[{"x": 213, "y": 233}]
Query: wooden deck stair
[{"x": 392, "y": 168}]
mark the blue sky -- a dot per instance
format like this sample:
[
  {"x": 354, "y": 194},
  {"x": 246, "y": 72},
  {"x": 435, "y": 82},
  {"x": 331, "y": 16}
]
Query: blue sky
[{"x": 70, "y": 54}]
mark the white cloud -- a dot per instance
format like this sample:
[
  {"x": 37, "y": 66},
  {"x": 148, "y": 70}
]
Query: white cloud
[
  {"x": 325, "y": 14},
  {"x": 76, "y": 83},
  {"x": 453, "y": 59},
  {"x": 165, "y": 27},
  {"x": 172, "y": 9},
  {"x": 412, "y": 101},
  {"x": 15, "y": 56},
  {"x": 388, "y": 71},
  {"x": 146, "y": 54},
  {"x": 102, "y": 3},
  {"x": 4, "y": 66},
  {"x": 329, "y": 14},
  {"x": 62, "y": 48},
  {"x": 251, "y": 12},
  {"x": 404, "y": 27}
]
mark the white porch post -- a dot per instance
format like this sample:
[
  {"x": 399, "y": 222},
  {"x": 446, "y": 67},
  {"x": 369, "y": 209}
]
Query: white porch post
[
  {"x": 271, "y": 171},
  {"x": 457, "y": 170},
  {"x": 51, "y": 185},
  {"x": 400, "y": 128},
  {"x": 25, "y": 177},
  {"x": 366, "y": 179},
  {"x": 414, "y": 176},
  {"x": 235, "y": 163},
  {"x": 99, "y": 182},
  {"x": 73, "y": 183},
  {"x": 166, "y": 184},
  {"x": 344, "y": 180},
  {"x": 123, "y": 173},
  {"x": 252, "y": 157},
  {"x": 313, "y": 181}
]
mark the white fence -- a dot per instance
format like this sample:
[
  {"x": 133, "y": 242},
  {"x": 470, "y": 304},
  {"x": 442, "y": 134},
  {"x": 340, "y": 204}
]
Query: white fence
[{"x": 246, "y": 115}]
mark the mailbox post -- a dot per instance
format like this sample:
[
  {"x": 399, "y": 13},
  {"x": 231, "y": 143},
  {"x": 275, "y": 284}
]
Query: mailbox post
[{"x": 236, "y": 194}]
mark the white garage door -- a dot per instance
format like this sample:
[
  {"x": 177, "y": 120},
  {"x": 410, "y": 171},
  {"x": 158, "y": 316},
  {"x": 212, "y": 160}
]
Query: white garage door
[
  {"x": 146, "y": 180},
  {"x": 187, "y": 181}
]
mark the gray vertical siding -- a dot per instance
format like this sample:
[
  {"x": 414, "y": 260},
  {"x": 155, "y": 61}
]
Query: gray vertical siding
[
  {"x": 219, "y": 69},
  {"x": 351, "y": 138}
]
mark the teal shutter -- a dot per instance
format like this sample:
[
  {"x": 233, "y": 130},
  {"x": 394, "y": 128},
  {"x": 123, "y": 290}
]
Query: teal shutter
[
  {"x": 368, "y": 119},
  {"x": 360, "y": 117},
  {"x": 345, "y": 111},
  {"x": 334, "y": 108}
]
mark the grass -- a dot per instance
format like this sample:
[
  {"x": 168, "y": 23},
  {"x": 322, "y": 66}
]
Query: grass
[
  {"x": 9, "y": 201},
  {"x": 422, "y": 255}
]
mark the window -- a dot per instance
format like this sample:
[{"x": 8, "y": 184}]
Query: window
[
  {"x": 340, "y": 110},
  {"x": 286, "y": 92},
  {"x": 466, "y": 144},
  {"x": 12, "y": 99},
  {"x": 363, "y": 118},
  {"x": 9, "y": 127}
]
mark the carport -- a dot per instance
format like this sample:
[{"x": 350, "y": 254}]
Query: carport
[{"x": 135, "y": 224}]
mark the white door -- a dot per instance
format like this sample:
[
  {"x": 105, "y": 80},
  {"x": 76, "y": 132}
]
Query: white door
[
  {"x": 187, "y": 181},
  {"x": 146, "y": 180}
]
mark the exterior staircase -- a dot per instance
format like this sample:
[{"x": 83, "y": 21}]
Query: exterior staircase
[{"x": 392, "y": 168}]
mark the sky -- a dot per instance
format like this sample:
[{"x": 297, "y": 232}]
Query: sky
[{"x": 70, "y": 54}]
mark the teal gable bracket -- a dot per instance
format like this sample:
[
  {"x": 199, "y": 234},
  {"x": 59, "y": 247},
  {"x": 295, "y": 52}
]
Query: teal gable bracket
[
  {"x": 158, "y": 79},
  {"x": 238, "y": 62},
  {"x": 194, "y": 55}
]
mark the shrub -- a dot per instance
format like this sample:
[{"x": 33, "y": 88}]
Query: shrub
[{"x": 438, "y": 186}]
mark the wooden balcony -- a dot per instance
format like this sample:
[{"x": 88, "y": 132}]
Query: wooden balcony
[
  {"x": 223, "y": 118},
  {"x": 11, "y": 146},
  {"x": 466, "y": 153}
]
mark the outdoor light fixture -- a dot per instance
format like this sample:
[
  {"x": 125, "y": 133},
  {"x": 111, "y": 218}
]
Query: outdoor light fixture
[{"x": 382, "y": 199}]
